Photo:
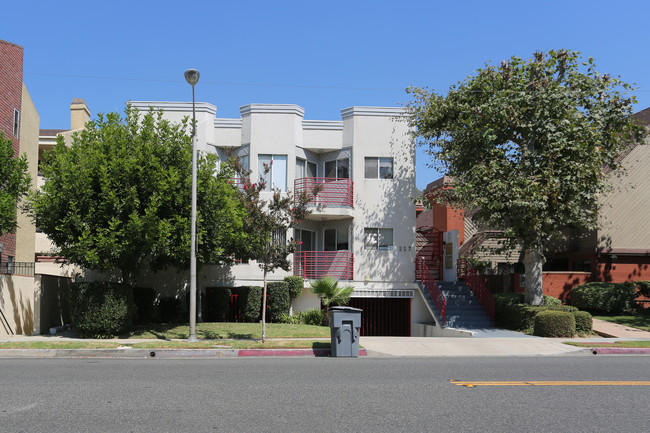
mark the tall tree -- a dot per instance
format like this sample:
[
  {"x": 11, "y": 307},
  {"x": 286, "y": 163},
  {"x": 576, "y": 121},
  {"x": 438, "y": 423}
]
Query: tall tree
[
  {"x": 14, "y": 183},
  {"x": 119, "y": 197},
  {"x": 527, "y": 144},
  {"x": 267, "y": 221}
]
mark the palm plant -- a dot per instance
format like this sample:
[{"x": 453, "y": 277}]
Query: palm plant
[{"x": 328, "y": 290}]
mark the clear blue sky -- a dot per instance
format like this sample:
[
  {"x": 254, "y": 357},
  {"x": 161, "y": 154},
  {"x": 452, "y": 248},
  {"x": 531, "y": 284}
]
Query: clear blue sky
[{"x": 321, "y": 55}]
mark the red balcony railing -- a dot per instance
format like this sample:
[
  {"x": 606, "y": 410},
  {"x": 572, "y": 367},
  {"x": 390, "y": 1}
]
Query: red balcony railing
[
  {"x": 475, "y": 282},
  {"x": 423, "y": 274},
  {"x": 333, "y": 191},
  {"x": 312, "y": 265}
]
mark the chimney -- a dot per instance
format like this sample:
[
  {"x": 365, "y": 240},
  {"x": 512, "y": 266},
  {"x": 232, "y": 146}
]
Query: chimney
[{"x": 79, "y": 114}]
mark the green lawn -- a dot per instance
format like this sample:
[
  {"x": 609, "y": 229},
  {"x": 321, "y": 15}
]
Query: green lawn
[
  {"x": 610, "y": 344},
  {"x": 639, "y": 320},
  {"x": 212, "y": 335},
  {"x": 225, "y": 330}
]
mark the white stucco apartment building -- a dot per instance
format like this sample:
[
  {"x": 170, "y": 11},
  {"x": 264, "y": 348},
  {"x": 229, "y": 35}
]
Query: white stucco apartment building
[{"x": 365, "y": 234}]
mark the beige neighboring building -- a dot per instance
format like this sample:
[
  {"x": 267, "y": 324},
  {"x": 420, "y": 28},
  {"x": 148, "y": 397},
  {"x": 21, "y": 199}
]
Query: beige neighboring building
[{"x": 47, "y": 262}]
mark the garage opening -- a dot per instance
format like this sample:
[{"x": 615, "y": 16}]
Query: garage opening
[{"x": 384, "y": 316}]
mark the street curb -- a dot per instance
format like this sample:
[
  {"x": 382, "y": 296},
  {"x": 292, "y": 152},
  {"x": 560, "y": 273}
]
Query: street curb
[
  {"x": 162, "y": 353},
  {"x": 620, "y": 351}
]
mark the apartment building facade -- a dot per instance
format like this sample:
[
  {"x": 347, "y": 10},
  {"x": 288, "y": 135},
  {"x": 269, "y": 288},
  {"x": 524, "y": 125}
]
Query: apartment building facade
[{"x": 365, "y": 233}]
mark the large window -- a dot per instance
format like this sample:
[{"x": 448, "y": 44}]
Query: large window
[
  {"x": 336, "y": 240},
  {"x": 378, "y": 239},
  {"x": 276, "y": 177},
  {"x": 378, "y": 168},
  {"x": 305, "y": 168},
  {"x": 339, "y": 168}
]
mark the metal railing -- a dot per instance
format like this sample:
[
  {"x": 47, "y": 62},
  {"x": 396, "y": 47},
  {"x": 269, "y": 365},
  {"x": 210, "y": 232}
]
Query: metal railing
[
  {"x": 423, "y": 274},
  {"x": 475, "y": 282},
  {"x": 333, "y": 191},
  {"x": 25, "y": 269},
  {"x": 317, "y": 264}
]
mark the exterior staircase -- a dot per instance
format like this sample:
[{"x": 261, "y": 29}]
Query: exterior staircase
[{"x": 464, "y": 311}]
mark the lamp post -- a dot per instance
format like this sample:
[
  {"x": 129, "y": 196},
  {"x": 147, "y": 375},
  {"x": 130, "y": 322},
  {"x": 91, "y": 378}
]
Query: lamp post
[{"x": 192, "y": 77}]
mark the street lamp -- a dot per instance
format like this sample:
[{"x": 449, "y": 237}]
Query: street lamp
[{"x": 192, "y": 77}]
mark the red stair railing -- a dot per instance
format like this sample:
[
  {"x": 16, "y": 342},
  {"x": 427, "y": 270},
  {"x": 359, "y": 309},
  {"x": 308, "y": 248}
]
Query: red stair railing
[
  {"x": 475, "y": 282},
  {"x": 423, "y": 274}
]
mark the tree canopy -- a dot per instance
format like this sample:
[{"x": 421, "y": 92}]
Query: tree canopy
[
  {"x": 529, "y": 145},
  {"x": 119, "y": 197},
  {"x": 14, "y": 183}
]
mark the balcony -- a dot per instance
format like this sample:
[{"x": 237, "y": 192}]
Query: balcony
[
  {"x": 312, "y": 265},
  {"x": 336, "y": 196}
]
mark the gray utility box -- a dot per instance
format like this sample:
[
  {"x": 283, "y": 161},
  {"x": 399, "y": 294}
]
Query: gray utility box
[{"x": 345, "y": 323}]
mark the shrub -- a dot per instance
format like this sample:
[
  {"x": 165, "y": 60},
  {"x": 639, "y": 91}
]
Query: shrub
[
  {"x": 552, "y": 323},
  {"x": 604, "y": 297},
  {"x": 550, "y": 300},
  {"x": 279, "y": 301},
  {"x": 584, "y": 322},
  {"x": 101, "y": 310},
  {"x": 644, "y": 287},
  {"x": 512, "y": 313},
  {"x": 295, "y": 285},
  {"x": 291, "y": 320},
  {"x": 144, "y": 299},
  {"x": 252, "y": 302},
  {"x": 314, "y": 316},
  {"x": 170, "y": 309},
  {"x": 219, "y": 303},
  {"x": 565, "y": 308}
]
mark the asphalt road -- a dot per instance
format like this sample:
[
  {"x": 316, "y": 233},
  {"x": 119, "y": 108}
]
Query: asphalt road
[{"x": 322, "y": 394}]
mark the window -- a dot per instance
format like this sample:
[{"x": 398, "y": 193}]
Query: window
[
  {"x": 308, "y": 239},
  {"x": 16, "y": 122},
  {"x": 277, "y": 174},
  {"x": 244, "y": 161},
  {"x": 339, "y": 169},
  {"x": 378, "y": 168},
  {"x": 305, "y": 168},
  {"x": 378, "y": 239},
  {"x": 336, "y": 240}
]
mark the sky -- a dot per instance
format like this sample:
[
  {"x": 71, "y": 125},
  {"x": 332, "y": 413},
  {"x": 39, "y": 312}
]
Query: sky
[{"x": 321, "y": 55}]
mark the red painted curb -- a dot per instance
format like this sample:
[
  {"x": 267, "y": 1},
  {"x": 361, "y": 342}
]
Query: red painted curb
[
  {"x": 621, "y": 351},
  {"x": 290, "y": 352}
]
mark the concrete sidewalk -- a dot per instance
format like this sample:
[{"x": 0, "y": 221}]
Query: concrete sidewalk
[{"x": 614, "y": 330}]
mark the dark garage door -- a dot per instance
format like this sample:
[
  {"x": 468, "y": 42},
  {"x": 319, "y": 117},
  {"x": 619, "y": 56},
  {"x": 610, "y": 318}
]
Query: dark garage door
[{"x": 384, "y": 316}]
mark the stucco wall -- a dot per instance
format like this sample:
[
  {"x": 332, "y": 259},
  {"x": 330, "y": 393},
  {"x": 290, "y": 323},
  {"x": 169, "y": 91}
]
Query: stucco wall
[
  {"x": 16, "y": 305},
  {"x": 29, "y": 127}
]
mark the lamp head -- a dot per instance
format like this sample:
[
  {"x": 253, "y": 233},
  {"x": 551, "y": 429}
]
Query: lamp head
[{"x": 192, "y": 76}]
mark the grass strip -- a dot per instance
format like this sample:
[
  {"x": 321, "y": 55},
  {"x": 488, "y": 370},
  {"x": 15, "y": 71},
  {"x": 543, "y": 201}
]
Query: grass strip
[
  {"x": 158, "y": 344},
  {"x": 622, "y": 344}
]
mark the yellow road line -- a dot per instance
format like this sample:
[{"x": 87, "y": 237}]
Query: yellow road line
[{"x": 471, "y": 384}]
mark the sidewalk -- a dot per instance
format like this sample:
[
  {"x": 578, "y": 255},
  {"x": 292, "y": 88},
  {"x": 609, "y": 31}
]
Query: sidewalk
[
  {"x": 614, "y": 330},
  {"x": 490, "y": 343}
]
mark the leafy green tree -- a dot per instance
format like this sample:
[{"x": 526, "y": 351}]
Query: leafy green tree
[
  {"x": 119, "y": 197},
  {"x": 14, "y": 183},
  {"x": 529, "y": 144},
  {"x": 267, "y": 220},
  {"x": 328, "y": 290}
]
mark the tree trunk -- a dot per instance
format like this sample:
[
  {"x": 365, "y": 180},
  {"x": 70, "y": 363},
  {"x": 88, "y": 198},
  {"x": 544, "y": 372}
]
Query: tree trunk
[
  {"x": 533, "y": 262},
  {"x": 264, "y": 310}
]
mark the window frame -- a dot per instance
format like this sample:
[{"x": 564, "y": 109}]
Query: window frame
[
  {"x": 378, "y": 166},
  {"x": 337, "y": 168},
  {"x": 16, "y": 124},
  {"x": 268, "y": 178},
  {"x": 378, "y": 237}
]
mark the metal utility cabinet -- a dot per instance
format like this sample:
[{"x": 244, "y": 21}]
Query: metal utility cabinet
[{"x": 345, "y": 323}]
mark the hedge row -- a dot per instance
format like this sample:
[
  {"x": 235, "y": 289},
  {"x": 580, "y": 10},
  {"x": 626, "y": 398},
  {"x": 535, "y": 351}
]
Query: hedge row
[
  {"x": 512, "y": 313},
  {"x": 614, "y": 298}
]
